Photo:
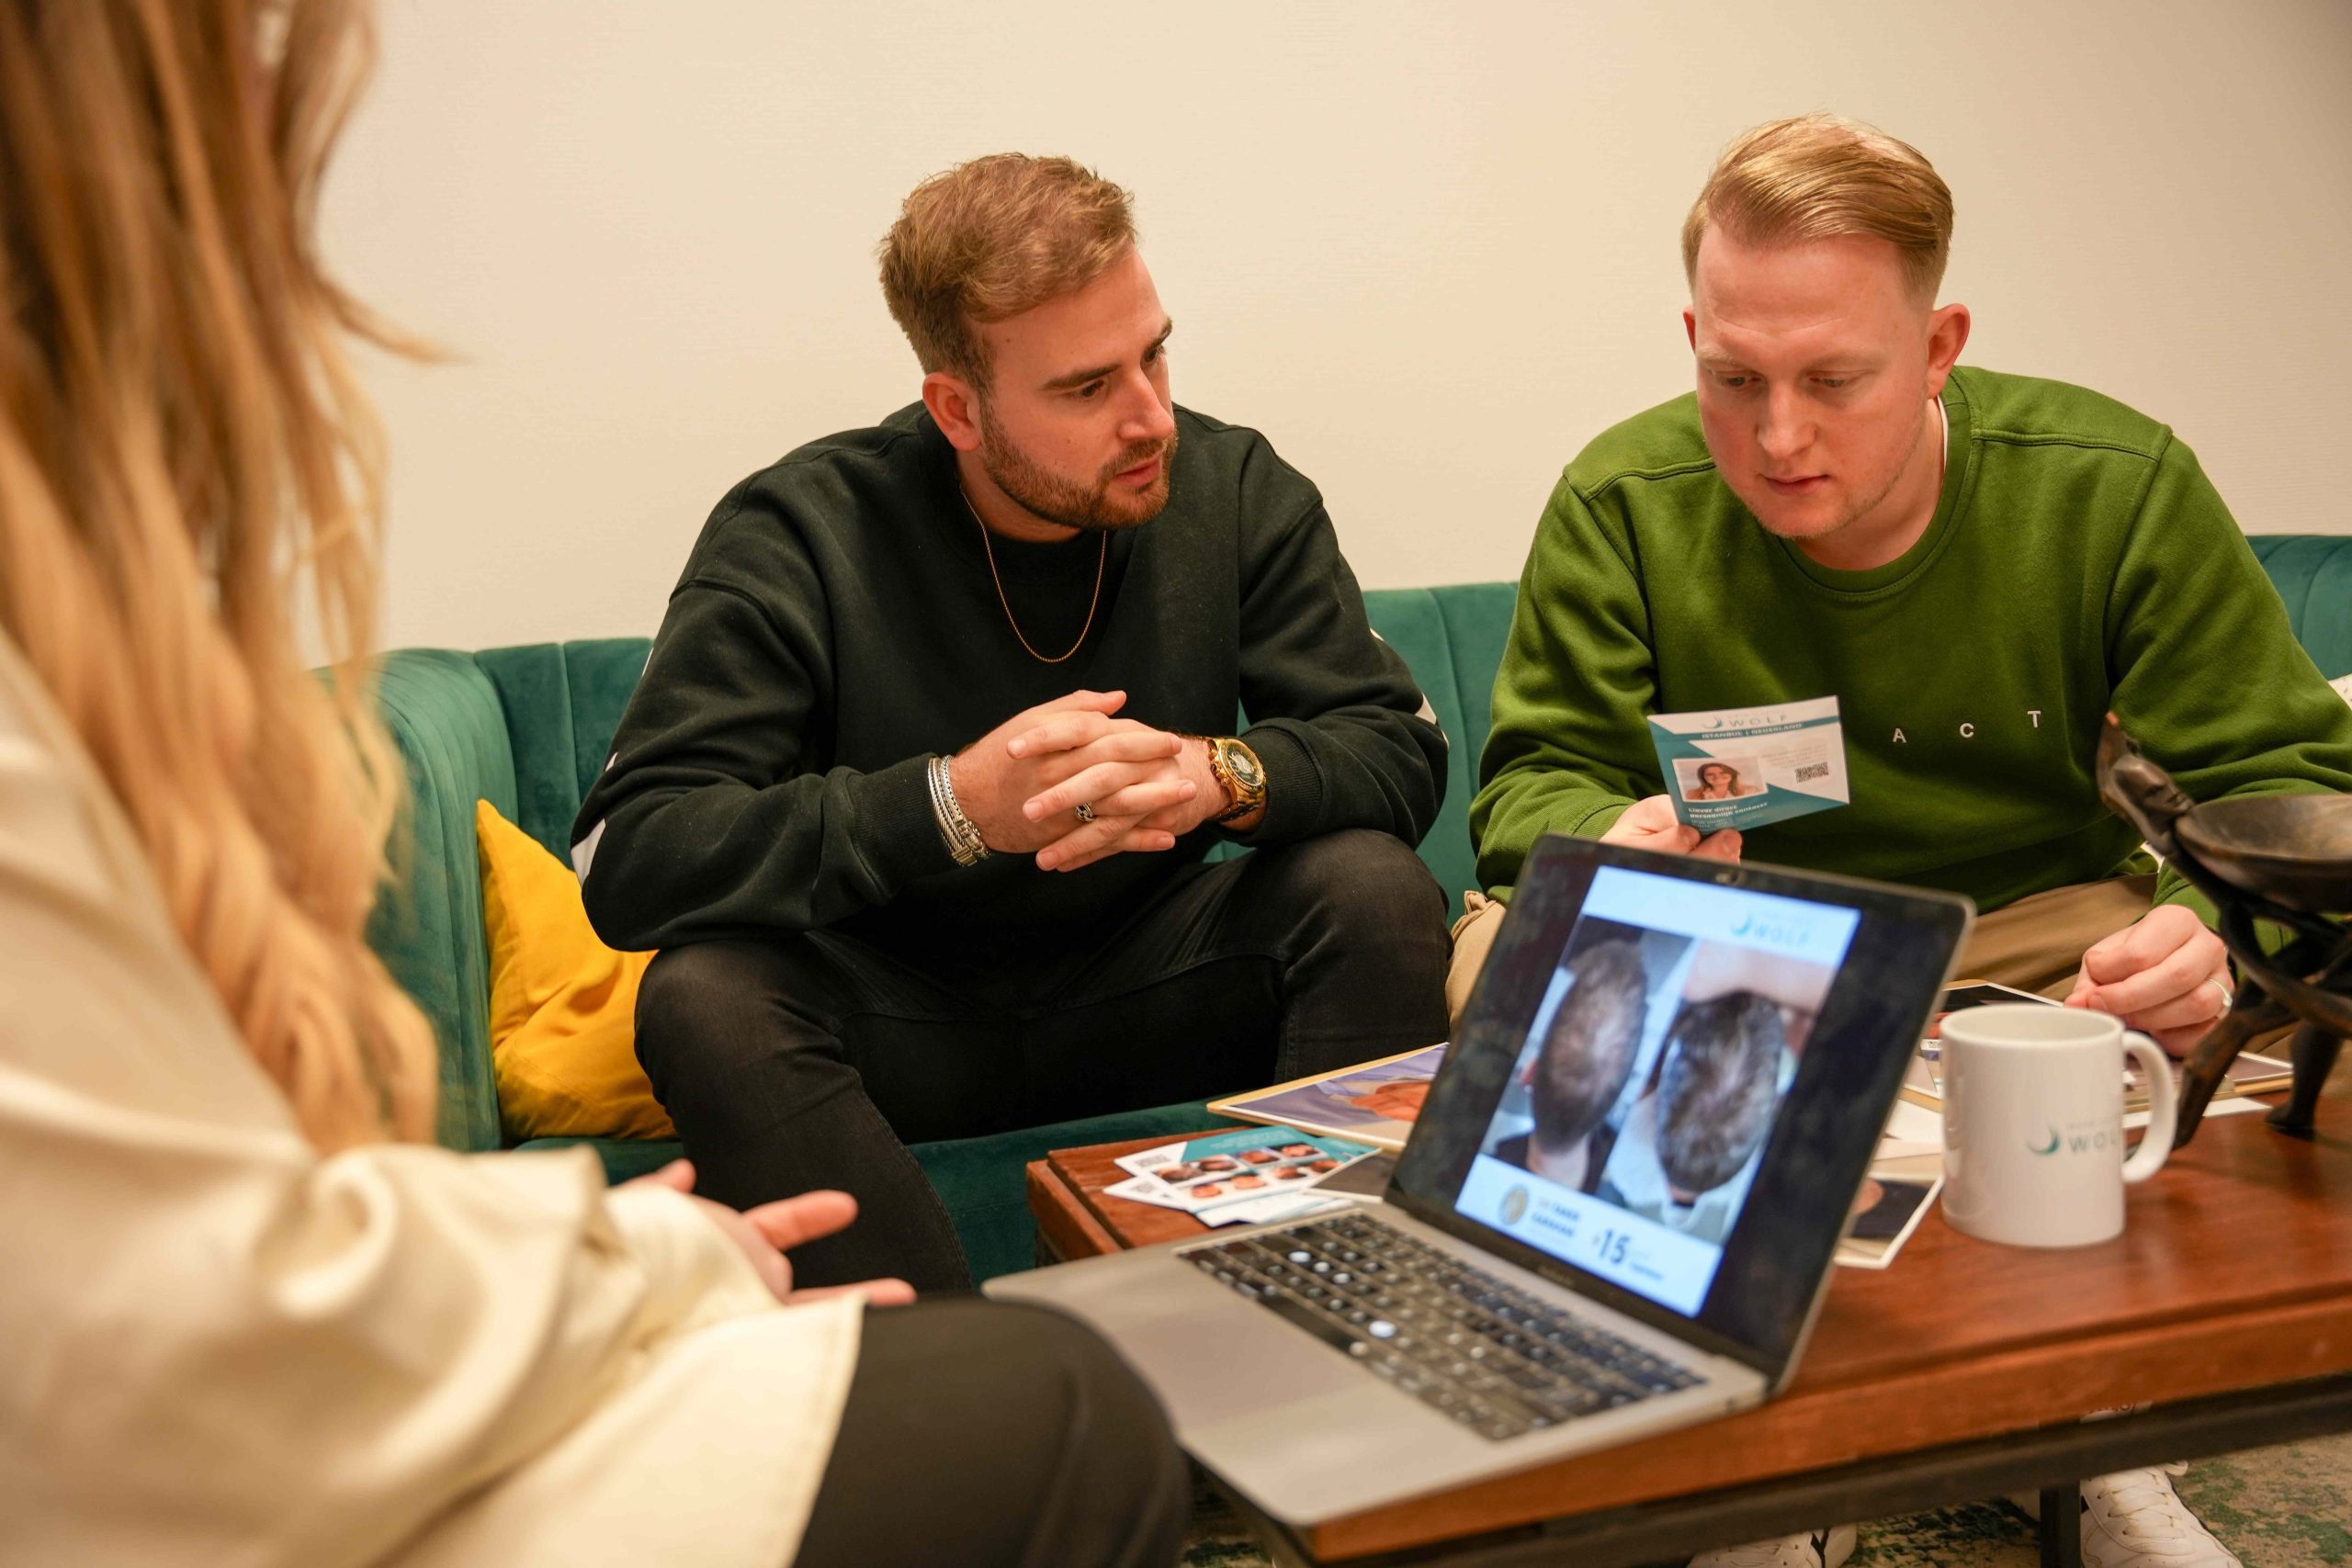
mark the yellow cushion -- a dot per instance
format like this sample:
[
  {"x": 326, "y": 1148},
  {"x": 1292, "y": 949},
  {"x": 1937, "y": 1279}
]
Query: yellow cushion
[{"x": 562, "y": 1005}]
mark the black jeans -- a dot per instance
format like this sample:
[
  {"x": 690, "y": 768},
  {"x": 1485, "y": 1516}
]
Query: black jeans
[
  {"x": 987, "y": 1434},
  {"x": 813, "y": 1059}
]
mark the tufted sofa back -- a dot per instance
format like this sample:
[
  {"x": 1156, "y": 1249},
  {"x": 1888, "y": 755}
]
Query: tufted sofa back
[{"x": 527, "y": 729}]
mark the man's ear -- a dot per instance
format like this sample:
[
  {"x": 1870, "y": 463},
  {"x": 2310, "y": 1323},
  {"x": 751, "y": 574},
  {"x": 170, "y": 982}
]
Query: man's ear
[
  {"x": 1947, "y": 335},
  {"x": 1690, "y": 329},
  {"x": 955, "y": 406}
]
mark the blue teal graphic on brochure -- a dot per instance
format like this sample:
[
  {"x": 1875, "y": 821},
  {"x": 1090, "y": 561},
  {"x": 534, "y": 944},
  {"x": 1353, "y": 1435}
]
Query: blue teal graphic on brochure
[{"x": 1744, "y": 767}]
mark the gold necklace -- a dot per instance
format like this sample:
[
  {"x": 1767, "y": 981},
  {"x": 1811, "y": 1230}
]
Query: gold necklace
[{"x": 1100, "y": 561}]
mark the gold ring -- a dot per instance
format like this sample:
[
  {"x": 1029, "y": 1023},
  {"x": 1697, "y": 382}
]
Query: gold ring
[{"x": 1085, "y": 811}]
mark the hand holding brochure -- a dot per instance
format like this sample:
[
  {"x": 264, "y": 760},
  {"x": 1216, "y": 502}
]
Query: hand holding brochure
[{"x": 1744, "y": 767}]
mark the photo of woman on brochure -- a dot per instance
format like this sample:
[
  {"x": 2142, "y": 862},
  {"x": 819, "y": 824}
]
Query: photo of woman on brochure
[{"x": 1713, "y": 778}]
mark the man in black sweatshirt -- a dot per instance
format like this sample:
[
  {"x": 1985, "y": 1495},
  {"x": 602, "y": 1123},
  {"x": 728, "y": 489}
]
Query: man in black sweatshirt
[{"x": 915, "y": 792}]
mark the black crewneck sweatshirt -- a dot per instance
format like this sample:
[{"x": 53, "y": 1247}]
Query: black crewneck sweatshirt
[{"x": 836, "y": 625}]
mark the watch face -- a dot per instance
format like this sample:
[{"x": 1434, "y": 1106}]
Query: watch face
[{"x": 1244, "y": 767}]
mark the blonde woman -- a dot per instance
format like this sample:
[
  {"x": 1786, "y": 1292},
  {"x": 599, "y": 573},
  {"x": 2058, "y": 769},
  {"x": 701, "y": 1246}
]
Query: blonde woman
[{"x": 250, "y": 1313}]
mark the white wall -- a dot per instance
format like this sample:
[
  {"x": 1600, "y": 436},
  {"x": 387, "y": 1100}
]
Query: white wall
[{"x": 1429, "y": 249}]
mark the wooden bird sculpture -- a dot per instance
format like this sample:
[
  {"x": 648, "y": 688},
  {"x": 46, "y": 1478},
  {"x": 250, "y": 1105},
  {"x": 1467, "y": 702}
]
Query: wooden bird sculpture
[{"x": 2282, "y": 859}]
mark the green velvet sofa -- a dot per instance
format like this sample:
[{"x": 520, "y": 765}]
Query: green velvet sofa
[{"x": 527, "y": 729}]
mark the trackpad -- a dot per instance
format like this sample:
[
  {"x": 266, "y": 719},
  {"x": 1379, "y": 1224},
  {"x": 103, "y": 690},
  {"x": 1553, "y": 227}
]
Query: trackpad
[
  {"x": 1209, "y": 1354},
  {"x": 1211, "y": 1366}
]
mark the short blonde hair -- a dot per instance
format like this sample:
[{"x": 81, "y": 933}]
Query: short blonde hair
[
  {"x": 1818, "y": 176},
  {"x": 991, "y": 238}
]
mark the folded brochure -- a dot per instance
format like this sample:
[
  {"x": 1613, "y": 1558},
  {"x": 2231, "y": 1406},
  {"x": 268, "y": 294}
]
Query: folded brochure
[
  {"x": 1373, "y": 1103},
  {"x": 1744, "y": 767}
]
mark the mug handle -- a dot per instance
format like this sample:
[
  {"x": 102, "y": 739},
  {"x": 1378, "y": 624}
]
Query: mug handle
[{"x": 2163, "y": 1100}]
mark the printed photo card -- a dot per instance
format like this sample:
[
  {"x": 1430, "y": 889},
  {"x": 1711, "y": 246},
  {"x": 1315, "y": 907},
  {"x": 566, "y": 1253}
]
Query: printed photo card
[
  {"x": 1251, "y": 1176},
  {"x": 1742, "y": 767}
]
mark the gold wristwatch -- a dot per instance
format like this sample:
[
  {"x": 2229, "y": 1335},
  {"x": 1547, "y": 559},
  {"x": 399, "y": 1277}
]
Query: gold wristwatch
[{"x": 1238, "y": 773}]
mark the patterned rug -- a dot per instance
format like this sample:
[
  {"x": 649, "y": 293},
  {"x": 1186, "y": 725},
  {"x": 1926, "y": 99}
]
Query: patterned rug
[{"x": 2282, "y": 1507}]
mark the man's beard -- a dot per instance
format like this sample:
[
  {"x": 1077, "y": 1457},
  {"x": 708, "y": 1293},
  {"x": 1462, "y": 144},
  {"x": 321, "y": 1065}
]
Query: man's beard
[{"x": 1057, "y": 501}]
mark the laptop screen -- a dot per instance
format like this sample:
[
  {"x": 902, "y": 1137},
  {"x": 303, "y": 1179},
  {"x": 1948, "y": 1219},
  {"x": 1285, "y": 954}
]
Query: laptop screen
[{"x": 1672, "y": 1077}]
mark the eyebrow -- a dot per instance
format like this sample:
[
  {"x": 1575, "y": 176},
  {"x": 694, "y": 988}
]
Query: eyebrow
[
  {"x": 1095, "y": 373},
  {"x": 1835, "y": 364}
]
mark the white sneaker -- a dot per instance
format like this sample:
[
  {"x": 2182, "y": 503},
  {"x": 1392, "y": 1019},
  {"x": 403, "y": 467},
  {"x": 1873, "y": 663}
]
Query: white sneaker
[
  {"x": 2135, "y": 1519},
  {"x": 1822, "y": 1549}
]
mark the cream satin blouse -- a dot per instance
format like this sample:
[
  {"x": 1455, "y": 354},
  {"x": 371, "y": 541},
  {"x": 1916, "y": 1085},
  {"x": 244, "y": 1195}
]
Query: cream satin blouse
[{"x": 217, "y": 1347}]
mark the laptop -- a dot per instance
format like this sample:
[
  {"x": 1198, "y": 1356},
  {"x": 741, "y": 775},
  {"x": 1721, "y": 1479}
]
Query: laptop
[{"x": 1616, "y": 1213}]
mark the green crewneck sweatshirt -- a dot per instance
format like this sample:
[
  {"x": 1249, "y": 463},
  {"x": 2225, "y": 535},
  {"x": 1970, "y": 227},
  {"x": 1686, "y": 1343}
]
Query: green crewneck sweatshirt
[{"x": 2079, "y": 561}]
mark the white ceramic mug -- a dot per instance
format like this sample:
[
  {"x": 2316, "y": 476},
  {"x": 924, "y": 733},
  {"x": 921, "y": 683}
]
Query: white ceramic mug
[{"x": 2033, "y": 1123}]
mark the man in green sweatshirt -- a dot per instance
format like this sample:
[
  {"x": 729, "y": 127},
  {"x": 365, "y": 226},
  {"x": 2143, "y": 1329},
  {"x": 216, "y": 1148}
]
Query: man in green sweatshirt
[
  {"x": 1978, "y": 567},
  {"x": 915, "y": 793}
]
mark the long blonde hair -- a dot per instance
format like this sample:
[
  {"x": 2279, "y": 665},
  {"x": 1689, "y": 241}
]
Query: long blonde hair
[{"x": 184, "y": 458}]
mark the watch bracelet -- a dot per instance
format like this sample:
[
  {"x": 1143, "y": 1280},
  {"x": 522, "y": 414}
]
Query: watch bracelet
[
  {"x": 963, "y": 840},
  {"x": 1237, "y": 803}
]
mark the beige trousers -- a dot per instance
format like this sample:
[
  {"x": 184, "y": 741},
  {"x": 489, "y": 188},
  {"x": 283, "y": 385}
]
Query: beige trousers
[{"x": 2035, "y": 945}]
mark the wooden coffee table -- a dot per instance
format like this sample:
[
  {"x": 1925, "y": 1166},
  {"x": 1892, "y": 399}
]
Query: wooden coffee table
[{"x": 2221, "y": 1319}]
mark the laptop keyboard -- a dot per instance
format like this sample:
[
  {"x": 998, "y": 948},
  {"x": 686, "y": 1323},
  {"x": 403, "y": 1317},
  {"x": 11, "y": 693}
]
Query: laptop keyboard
[{"x": 1494, "y": 1359}]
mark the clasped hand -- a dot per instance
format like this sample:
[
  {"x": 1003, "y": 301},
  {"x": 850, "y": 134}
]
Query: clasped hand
[{"x": 1022, "y": 782}]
